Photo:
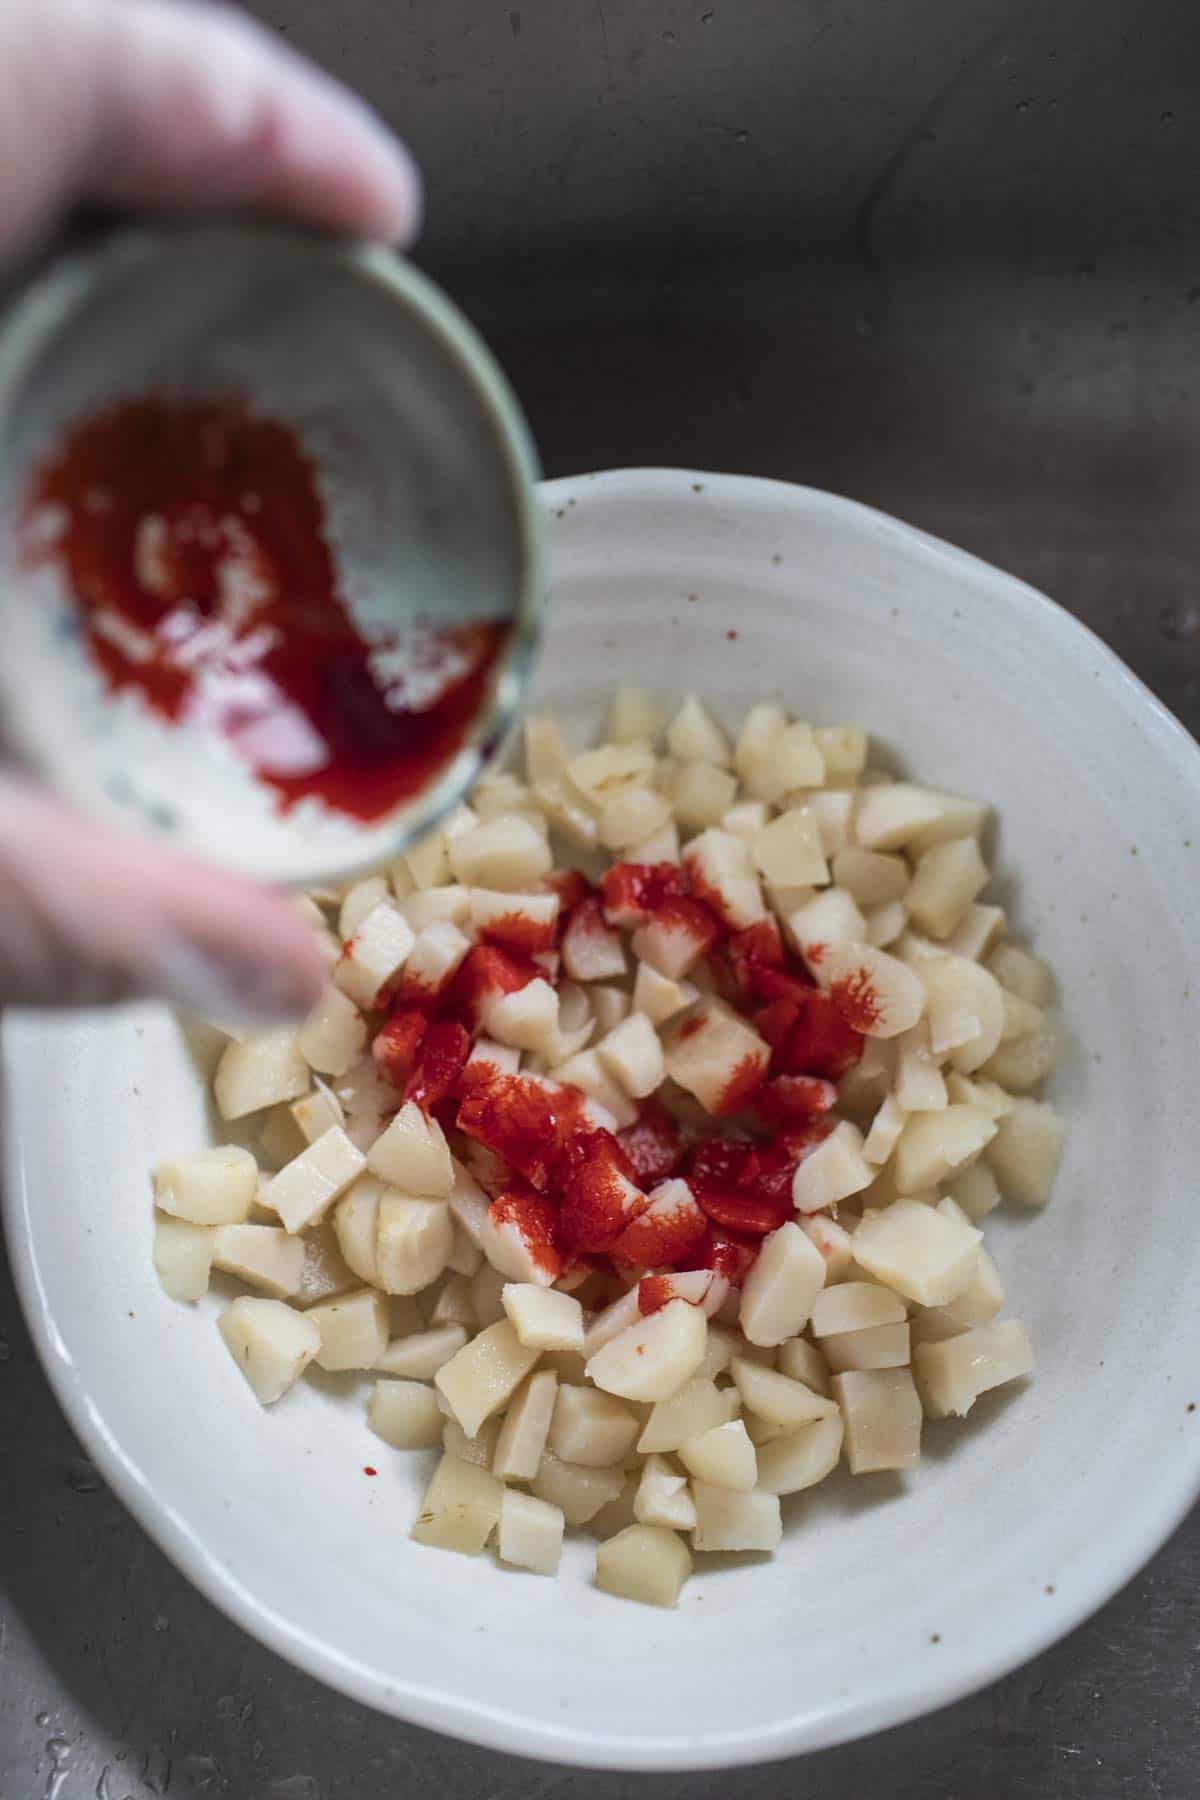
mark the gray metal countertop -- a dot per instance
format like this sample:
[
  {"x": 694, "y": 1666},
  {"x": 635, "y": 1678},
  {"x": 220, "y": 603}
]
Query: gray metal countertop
[{"x": 944, "y": 259}]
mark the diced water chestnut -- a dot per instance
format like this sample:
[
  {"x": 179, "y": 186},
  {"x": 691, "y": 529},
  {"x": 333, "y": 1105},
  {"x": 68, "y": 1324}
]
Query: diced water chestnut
[
  {"x": 480, "y": 1378},
  {"x": 803, "y": 1362},
  {"x": 925, "y": 1256},
  {"x": 271, "y": 1344},
  {"x": 590, "y": 1428},
  {"x": 653, "y": 1358},
  {"x": 405, "y": 1414},
  {"x": 663, "y": 1496},
  {"x": 376, "y": 952},
  {"x": 776, "y": 1397},
  {"x": 935, "y": 1145},
  {"x": 788, "y": 850},
  {"x": 799, "y": 1459},
  {"x": 716, "y": 1056},
  {"x": 353, "y": 1330},
  {"x": 882, "y": 1416},
  {"x": 521, "y": 1443},
  {"x": 1026, "y": 1151},
  {"x": 580, "y": 1492},
  {"x": 507, "y": 852},
  {"x": 876, "y": 993},
  {"x": 461, "y": 1508},
  {"x": 834, "y": 1243},
  {"x": 644, "y": 1562},
  {"x": 731, "y": 1519},
  {"x": 965, "y": 1008},
  {"x": 723, "y": 1457},
  {"x": 946, "y": 881},
  {"x": 207, "y": 1187},
  {"x": 260, "y": 1071},
  {"x": 542, "y": 1318},
  {"x": 334, "y": 1034},
  {"x": 420, "y": 1354},
  {"x": 414, "y": 1239},
  {"x": 781, "y": 1288},
  {"x": 832, "y": 1171},
  {"x": 531, "y": 1532},
  {"x": 262, "y": 1256},
  {"x": 878, "y": 1347},
  {"x": 182, "y": 1257},
  {"x": 952, "y": 1374},
  {"x": 1018, "y": 969},
  {"x": 855, "y": 1306},
  {"x": 305, "y": 1189},
  {"x": 412, "y": 1155}
]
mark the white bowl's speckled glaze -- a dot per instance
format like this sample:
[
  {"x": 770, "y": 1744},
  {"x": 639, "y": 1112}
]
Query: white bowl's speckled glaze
[{"x": 889, "y": 1596}]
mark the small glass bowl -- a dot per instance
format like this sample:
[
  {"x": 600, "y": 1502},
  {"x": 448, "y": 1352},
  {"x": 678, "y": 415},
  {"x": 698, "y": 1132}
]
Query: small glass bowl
[{"x": 425, "y": 463}]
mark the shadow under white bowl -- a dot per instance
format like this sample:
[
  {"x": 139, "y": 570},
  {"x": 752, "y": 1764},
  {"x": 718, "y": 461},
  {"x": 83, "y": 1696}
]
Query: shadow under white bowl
[{"x": 889, "y": 1596}]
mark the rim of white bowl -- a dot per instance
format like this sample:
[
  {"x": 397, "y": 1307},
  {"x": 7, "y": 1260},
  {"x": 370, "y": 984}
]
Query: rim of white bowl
[{"x": 1154, "y": 1510}]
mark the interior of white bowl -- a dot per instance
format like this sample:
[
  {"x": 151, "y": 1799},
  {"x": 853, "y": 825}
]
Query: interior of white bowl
[{"x": 889, "y": 1595}]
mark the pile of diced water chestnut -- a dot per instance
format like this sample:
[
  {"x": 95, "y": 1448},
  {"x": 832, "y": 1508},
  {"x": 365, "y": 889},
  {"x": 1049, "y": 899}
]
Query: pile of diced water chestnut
[{"x": 641, "y": 1143}]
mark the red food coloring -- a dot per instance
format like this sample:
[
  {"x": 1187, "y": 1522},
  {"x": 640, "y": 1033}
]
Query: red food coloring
[
  {"x": 598, "y": 1200},
  {"x": 692, "y": 921},
  {"x": 483, "y": 973},
  {"x": 704, "y": 891},
  {"x": 792, "y": 983},
  {"x": 731, "y": 635},
  {"x": 857, "y": 999},
  {"x": 756, "y": 948},
  {"x": 725, "y": 1254},
  {"x": 653, "y": 1145},
  {"x": 523, "y": 1122},
  {"x": 535, "y": 1220},
  {"x": 654, "y": 1292},
  {"x": 632, "y": 891},
  {"x": 193, "y": 543},
  {"x": 368, "y": 1470},
  {"x": 396, "y": 1045},
  {"x": 440, "y": 1061},
  {"x": 518, "y": 932},
  {"x": 742, "y": 1085},
  {"x": 822, "y": 1041},
  {"x": 719, "y": 1163},
  {"x": 790, "y": 1097},
  {"x": 585, "y": 925},
  {"x": 571, "y": 886},
  {"x": 661, "y": 1236},
  {"x": 490, "y": 1171},
  {"x": 815, "y": 954},
  {"x": 752, "y": 1215}
]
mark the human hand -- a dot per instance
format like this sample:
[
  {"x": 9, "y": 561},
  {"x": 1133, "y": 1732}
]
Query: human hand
[{"x": 155, "y": 103}]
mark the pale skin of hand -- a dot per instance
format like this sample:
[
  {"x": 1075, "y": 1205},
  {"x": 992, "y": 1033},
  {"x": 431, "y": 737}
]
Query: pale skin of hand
[{"x": 158, "y": 103}]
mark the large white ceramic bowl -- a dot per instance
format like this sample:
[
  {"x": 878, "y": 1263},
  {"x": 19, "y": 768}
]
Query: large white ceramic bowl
[{"x": 889, "y": 1596}]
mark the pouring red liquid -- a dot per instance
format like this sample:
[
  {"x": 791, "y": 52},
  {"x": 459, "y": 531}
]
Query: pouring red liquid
[{"x": 192, "y": 537}]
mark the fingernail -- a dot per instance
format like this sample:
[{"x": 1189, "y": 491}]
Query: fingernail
[{"x": 223, "y": 988}]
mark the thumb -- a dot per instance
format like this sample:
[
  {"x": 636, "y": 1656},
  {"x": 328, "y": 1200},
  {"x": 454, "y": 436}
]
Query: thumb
[{"x": 90, "y": 916}]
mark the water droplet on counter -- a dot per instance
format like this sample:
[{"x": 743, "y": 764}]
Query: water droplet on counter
[
  {"x": 81, "y": 1476},
  {"x": 161, "y": 1622},
  {"x": 5, "y": 1349},
  {"x": 42, "y": 1718},
  {"x": 1180, "y": 620},
  {"x": 226, "y": 1706},
  {"x": 294, "y": 1787}
]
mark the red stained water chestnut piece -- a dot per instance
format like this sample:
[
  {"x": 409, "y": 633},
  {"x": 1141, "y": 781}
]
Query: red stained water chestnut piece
[
  {"x": 725, "y": 1254},
  {"x": 441, "y": 1057},
  {"x": 653, "y": 1144},
  {"x": 821, "y": 1042},
  {"x": 535, "y": 1219},
  {"x": 794, "y": 1097},
  {"x": 192, "y": 540},
  {"x": 522, "y": 1121},
  {"x": 484, "y": 972},
  {"x": 661, "y": 1236},
  {"x": 632, "y": 891},
  {"x": 598, "y": 1198},
  {"x": 397, "y": 1043}
]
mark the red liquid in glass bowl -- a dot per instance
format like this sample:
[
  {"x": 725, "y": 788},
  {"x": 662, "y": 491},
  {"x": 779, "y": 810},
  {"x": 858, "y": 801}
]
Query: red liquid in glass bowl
[{"x": 191, "y": 536}]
